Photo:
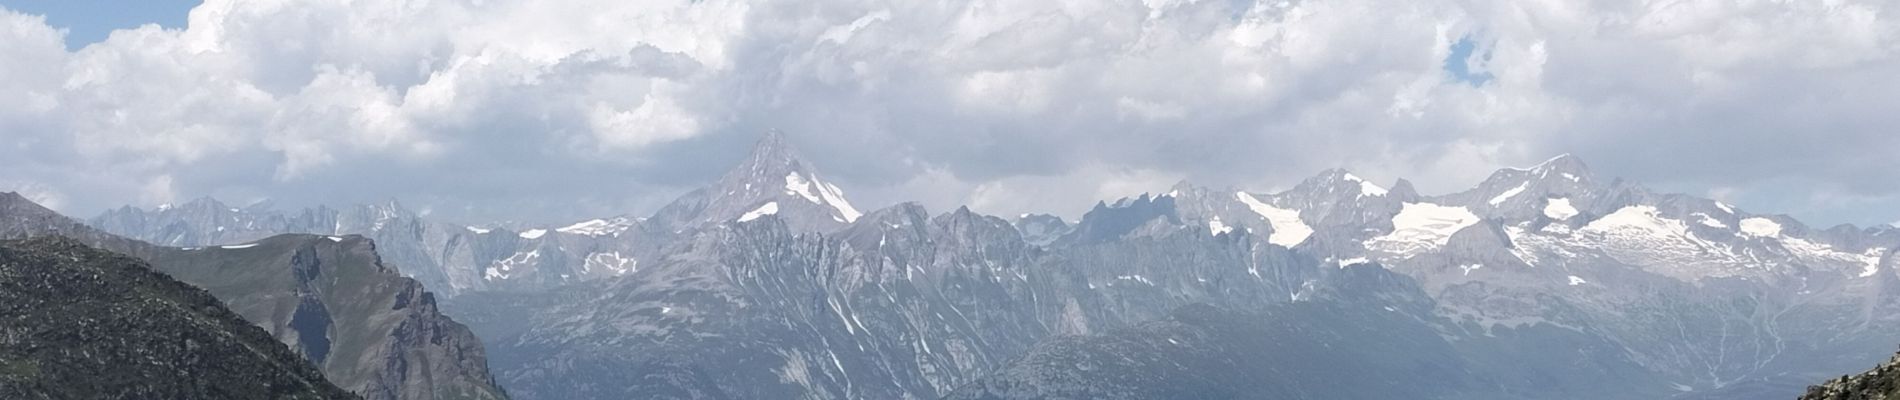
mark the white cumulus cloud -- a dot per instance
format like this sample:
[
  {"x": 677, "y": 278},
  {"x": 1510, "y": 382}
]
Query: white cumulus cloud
[{"x": 487, "y": 109}]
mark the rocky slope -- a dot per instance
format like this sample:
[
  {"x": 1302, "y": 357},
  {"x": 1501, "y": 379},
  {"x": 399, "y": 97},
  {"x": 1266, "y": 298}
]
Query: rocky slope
[
  {"x": 329, "y": 298},
  {"x": 1543, "y": 282},
  {"x": 78, "y": 322},
  {"x": 766, "y": 284},
  {"x": 1880, "y": 383},
  {"x": 454, "y": 259}
]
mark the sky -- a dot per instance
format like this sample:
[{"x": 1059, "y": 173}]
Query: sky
[{"x": 555, "y": 111}]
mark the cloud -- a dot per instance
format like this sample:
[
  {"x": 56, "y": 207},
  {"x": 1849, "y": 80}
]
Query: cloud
[{"x": 549, "y": 111}]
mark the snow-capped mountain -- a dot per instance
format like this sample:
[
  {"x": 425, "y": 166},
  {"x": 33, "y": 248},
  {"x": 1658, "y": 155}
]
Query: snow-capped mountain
[
  {"x": 456, "y": 258},
  {"x": 769, "y": 284},
  {"x": 773, "y": 180}
]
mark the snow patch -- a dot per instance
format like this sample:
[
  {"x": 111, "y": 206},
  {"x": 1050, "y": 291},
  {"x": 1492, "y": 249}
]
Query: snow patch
[
  {"x": 1709, "y": 221},
  {"x": 477, "y": 231},
  {"x": 338, "y": 239},
  {"x": 1366, "y": 188},
  {"x": 769, "y": 208},
  {"x": 611, "y": 261},
  {"x": 1288, "y": 229},
  {"x": 796, "y": 184},
  {"x": 505, "y": 268},
  {"x": 597, "y": 227},
  {"x": 1215, "y": 227},
  {"x": 1761, "y": 227},
  {"x": 1508, "y": 194},
  {"x": 1821, "y": 253},
  {"x": 1423, "y": 226},
  {"x": 1574, "y": 281},
  {"x": 239, "y": 246},
  {"x": 1136, "y": 278},
  {"x": 1640, "y": 235},
  {"x": 1467, "y": 268},
  {"x": 1559, "y": 209},
  {"x": 533, "y": 234},
  {"x": 1725, "y": 207},
  {"x": 835, "y": 198}
]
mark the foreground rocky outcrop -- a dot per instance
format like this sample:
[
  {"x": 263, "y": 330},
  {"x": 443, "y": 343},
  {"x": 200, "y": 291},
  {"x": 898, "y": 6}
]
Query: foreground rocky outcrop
[
  {"x": 78, "y": 322},
  {"x": 330, "y": 298},
  {"x": 1881, "y": 383}
]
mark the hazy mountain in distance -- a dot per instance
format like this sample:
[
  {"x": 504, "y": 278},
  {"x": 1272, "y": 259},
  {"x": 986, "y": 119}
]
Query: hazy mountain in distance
[
  {"x": 453, "y": 259},
  {"x": 1546, "y": 281}
]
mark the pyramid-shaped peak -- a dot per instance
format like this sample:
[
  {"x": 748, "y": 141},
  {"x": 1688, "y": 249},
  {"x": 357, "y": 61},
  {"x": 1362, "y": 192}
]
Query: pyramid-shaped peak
[
  {"x": 773, "y": 152},
  {"x": 772, "y": 178},
  {"x": 772, "y": 160}
]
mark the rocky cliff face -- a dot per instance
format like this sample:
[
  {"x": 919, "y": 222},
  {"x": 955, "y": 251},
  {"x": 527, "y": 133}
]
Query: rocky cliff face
[
  {"x": 330, "y": 298},
  {"x": 78, "y": 322}
]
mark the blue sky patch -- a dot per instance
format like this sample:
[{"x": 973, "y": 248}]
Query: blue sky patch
[
  {"x": 1467, "y": 63},
  {"x": 91, "y": 21}
]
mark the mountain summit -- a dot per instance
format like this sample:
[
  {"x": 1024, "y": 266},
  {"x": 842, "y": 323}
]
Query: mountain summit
[{"x": 773, "y": 181}]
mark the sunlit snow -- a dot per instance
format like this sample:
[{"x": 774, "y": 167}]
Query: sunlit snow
[
  {"x": 1508, "y": 194},
  {"x": 1422, "y": 226},
  {"x": 1761, "y": 227},
  {"x": 768, "y": 209},
  {"x": 1559, "y": 209},
  {"x": 1288, "y": 229}
]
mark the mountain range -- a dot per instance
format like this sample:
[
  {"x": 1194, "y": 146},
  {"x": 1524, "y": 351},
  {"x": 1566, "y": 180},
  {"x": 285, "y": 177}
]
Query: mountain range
[{"x": 1540, "y": 282}]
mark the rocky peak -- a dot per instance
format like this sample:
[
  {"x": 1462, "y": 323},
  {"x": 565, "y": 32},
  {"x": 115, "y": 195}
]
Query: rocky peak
[
  {"x": 1130, "y": 216},
  {"x": 1337, "y": 182},
  {"x": 1564, "y": 165},
  {"x": 1041, "y": 229},
  {"x": 969, "y": 223},
  {"x": 1337, "y": 197},
  {"x": 773, "y": 180},
  {"x": 1526, "y": 193}
]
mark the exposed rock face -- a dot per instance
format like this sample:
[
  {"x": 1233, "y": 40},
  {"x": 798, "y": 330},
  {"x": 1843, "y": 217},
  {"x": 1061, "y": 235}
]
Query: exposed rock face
[
  {"x": 78, "y": 322},
  {"x": 332, "y": 298},
  {"x": 1544, "y": 282},
  {"x": 1361, "y": 333},
  {"x": 453, "y": 258},
  {"x": 329, "y": 298},
  {"x": 1880, "y": 383},
  {"x": 765, "y": 284}
]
